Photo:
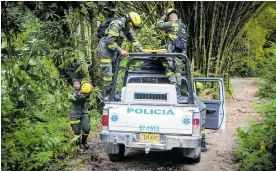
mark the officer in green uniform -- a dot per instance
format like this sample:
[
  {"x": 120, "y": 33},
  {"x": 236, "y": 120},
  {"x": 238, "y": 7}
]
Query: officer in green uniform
[
  {"x": 79, "y": 118},
  {"x": 171, "y": 24},
  {"x": 109, "y": 45},
  {"x": 202, "y": 109}
]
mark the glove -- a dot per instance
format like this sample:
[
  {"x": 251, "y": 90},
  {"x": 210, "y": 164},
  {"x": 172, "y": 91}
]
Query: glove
[
  {"x": 139, "y": 48},
  {"x": 164, "y": 17}
]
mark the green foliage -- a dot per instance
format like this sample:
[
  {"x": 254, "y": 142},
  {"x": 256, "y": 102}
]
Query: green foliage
[
  {"x": 251, "y": 49},
  {"x": 268, "y": 80},
  {"x": 257, "y": 144},
  {"x": 36, "y": 145},
  {"x": 37, "y": 60}
]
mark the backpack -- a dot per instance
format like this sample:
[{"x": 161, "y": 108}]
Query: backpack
[
  {"x": 180, "y": 42},
  {"x": 103, "y": 26}
]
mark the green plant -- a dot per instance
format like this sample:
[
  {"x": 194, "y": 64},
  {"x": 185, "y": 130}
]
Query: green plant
[{"x": 257, "y": 144}]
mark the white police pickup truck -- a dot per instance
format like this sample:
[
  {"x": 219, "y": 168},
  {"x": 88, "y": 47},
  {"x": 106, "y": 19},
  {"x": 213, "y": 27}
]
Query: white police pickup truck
[{"x": 147, "y": 115}]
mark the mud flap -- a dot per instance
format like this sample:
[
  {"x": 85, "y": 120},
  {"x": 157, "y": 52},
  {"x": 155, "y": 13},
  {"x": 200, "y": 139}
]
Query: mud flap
[{"x": 111, "y": 148}]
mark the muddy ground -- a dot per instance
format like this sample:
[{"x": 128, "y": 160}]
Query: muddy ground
[{"x": 221, "y": 144}]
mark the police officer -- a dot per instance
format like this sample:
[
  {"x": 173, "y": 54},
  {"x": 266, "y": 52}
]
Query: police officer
[
  {"x": 202, "y": 110},
  {"x": 171, "y": 24},
  {"x": 79, "y": 118},
  {"x": 109, "y": 45}
]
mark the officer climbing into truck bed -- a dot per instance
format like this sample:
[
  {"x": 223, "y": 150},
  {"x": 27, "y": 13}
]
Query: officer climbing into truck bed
[
  {"x": 109, "y": 45},
  {"x": 79, "y": 118},
  {"x": 177, "y": 39}
]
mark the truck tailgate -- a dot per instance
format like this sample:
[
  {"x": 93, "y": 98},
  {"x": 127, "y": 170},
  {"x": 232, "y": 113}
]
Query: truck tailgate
[{"x": 159, "y": 119}]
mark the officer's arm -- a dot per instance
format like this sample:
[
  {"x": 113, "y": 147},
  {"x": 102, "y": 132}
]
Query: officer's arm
[
  {"x": 162, "y": 25},
  {"x": 72, "y": 96},
  {"x": 83, "y": 96},
  {"x": 113, "y": 33},
  {"x": 131, "y": 37}
]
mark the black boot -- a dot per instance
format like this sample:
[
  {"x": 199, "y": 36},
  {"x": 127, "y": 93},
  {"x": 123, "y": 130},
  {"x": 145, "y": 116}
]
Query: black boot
[
  {"x": 203, "y": 143},
  {"x": 83, "y": 141}
]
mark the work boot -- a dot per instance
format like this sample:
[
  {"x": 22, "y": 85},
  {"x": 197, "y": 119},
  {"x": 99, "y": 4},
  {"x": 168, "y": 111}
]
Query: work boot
[
  {"x": 107, "y": 95},
  {"x": 203, "y": 143},
  {"x": 106, "y": 98},
  {"x": 204, "y": 147},
  {"x": 83, "y": 142}
]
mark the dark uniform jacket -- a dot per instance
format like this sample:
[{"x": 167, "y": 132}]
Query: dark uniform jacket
[
  {"x": 79, "y": 108},
  {"x": 171, "y": 27},
  {"x": 109, "y": 46}
]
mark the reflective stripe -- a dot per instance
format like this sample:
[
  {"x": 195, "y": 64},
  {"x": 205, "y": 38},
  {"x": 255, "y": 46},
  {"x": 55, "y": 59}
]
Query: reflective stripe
[
  {"x": 173, "y": 36},
  {"x": 113, "y": 33},
  {"x": 164, "y": 63},
  {"x": 175, "y": 26},
  {"x": 169, "y": 74},
  {"x": 160, "y": 21},
  {"x": 203, "y": 132},
  {"x": 112, "y": 46},
  {"x": 71, "y": 96},
  {"x": 135, "y": 43},
  {"x": 85, "y": 134},
  {"x": 106, "y": 31},
  {"x": 177, "y": 74},
  {"x": 107, "y": 78},
  {"x": 74, "y": 122},
  {"x": 105, "y": 60}
]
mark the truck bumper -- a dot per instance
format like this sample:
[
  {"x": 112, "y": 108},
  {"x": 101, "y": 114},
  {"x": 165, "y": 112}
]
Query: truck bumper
[{"x": 132, "y": 140}]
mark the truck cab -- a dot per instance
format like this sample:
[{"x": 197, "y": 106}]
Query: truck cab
[{"x": 144, "y": 111}]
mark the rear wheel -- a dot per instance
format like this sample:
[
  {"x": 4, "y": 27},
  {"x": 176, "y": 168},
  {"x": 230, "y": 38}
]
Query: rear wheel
[
  {"x": 194, "y": 160},
  {"x": 190, "y": 154},
  {"x": 118, "y": 157}
]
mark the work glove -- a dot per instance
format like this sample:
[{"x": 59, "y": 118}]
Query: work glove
[
  {"x": 139, "y": 48},
  {"x": 164, "y": 17}
]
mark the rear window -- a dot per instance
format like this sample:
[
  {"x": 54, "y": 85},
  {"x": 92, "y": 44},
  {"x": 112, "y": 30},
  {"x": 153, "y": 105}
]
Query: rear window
[
  {"x": 134, "y": 80},
  {"x": 151, "y": 80},
  {"x": 163, "y": 80}
]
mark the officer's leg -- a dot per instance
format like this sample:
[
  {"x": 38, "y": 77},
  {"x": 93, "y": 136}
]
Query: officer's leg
[
  {"x": 203, "y": 132},
  {"x": 85, "y": 124},
  {"x": 202, "y": 109},
  {"x": 76, "y": 126},
  {"x": 169, "y": 71},
  {"x": 106, "y": 65},
  {"x": 177, "y": 69}
]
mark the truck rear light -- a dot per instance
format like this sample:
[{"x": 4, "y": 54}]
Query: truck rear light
[
  {"x": 196, "y": 124},
  {"x": 105, "y": 120}
]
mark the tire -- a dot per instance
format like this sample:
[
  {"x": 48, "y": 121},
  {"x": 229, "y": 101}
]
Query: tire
[
  {"x": 118, "y": 157},
  {"x": 196, "y": 160},
  {"x": 193, "y": 160}
]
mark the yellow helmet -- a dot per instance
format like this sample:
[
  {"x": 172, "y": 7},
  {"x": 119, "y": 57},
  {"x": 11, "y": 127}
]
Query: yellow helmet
[
  {"x": 171, "y": 10},
  {"x": 86, "y": 87},
  {"x": 133, "y": 20}
]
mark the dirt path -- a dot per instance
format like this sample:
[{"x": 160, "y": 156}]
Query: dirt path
[{"x": 220, "y": 143}]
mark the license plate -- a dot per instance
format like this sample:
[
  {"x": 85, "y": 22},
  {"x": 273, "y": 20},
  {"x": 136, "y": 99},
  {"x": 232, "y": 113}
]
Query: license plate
[{"x": 150, "y": 138}]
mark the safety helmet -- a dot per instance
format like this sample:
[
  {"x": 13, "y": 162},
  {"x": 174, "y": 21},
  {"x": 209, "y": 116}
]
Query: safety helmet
[
  {"x": 86, "y": 87},
  {"x": 134, "y": 20},
  {"x": 171, "y": 10}
]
